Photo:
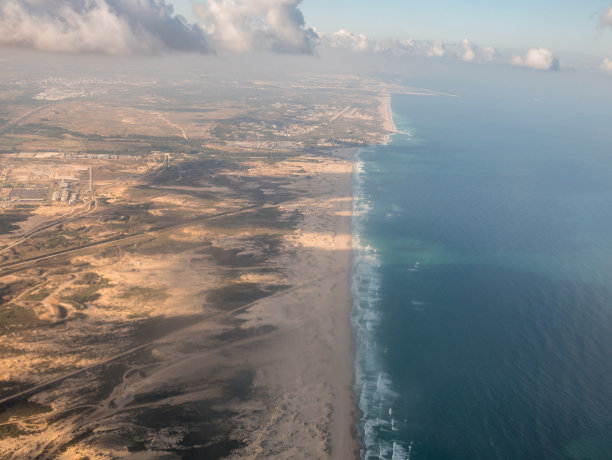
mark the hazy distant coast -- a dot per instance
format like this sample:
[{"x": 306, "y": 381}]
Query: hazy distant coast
[{"x": 386, "y": 115}]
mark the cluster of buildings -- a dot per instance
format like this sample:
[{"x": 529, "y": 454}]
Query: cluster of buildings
[{"x": 64, "y": 191}]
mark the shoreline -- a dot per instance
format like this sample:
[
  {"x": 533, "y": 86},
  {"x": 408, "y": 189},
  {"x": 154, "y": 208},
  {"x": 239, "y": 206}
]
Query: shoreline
[
  {"x": 386, "y": 114},
  {"x": 388, "y": 125},
  {"x": 307, "y": 374},
  {"x": 283, "y": 366}
]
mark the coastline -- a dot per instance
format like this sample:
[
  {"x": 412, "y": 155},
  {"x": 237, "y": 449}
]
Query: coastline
[
  {"x": 386, "y": 114},
  {"x": 307, "y": 374},
  {"x": 280, "y": 371},
  {"x": 358, "y": 252}
]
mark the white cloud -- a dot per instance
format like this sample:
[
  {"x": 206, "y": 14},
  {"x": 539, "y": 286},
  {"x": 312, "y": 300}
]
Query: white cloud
[
  {"x": 437, "y": 50},
  {"x": 97, "y": 26},
  {"x": 537, "y": 58},
  {"x": 243, "y": 25},
  {"x": 488, "y": 53},
  {"x": 348, "y": 40},
  {"x": 360, "y": 43},
  {"x": 150, "y": 26},
  {"x": 606, "y": 66},
  {"x": 468, "y": 50}
]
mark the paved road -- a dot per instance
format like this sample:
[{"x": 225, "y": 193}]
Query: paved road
[
  {"x": 123, "y": 238},
  {"x": 21, "y": 118}
]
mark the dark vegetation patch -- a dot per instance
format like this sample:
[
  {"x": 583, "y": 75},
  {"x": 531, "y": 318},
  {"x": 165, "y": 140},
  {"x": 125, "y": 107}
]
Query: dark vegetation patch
[
  {"x": 15, "y": 317},
  {"x": 174, "y": 144},
  {"x": 185, "y": 109},
  {"x": 44, "y": 129},
  {"x": 269, "y": 218},
  {"x": 82, "y": 296},
  {"x": 8, "y": 388},
  {"x": 147, "y": 192},
  {"x": 94, "y": 279},
  {"x": 159, "y": 326},
  {"x": 23, "y": 410},
  {"x": 231, "y": 257},
  {"x": 207, "y": 430},
  {"x": 156, "y": 395},
  {"x": 38, "y": 295},
  {"x": 143, "y": 192},
  {"x": 60, "y": 239},
  {"x": 11, "y": 290},
  {"x": 269, "y": 244},
  {"x": 8, "y": 219},
  {"x": 110, "y": 376},
  {"x": 236, "y": 295},
  {"x": 132, "y": 217},
  {"x": 239, "y": 386},
  {"x": 11, "y": 431},
  {"x": 192, "y": 172},
  {"x": 144, "y": 294},
  {"x": 80, "y": 437},
  {"x": 240, "y": 334},
  {"x": 163, "y": 244}
]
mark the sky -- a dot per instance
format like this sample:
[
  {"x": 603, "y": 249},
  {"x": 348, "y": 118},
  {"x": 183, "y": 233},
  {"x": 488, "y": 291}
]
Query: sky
[
  {"x": 537, "y": 34},
  {"x": 567, "y": 26}
]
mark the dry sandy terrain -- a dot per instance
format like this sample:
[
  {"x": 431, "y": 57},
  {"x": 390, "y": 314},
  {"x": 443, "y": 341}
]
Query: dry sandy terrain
[
  {"x": 297, "y": 343},
  {"x": 276, "y": 373},
  {"x": 310, "y": 370}
]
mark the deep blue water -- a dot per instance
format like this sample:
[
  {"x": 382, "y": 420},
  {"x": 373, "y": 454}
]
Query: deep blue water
[{"x": 483, "y": 282}]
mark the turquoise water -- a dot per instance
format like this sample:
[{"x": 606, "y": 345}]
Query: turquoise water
[{"x": 483, "y": 277}]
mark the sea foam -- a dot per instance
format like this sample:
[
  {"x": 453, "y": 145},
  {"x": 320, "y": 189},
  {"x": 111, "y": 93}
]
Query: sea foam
[{"x": 373, "y": 386}]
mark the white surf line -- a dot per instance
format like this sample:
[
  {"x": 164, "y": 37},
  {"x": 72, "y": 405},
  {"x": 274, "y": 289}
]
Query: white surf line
[{"x": 175, "y": 125}]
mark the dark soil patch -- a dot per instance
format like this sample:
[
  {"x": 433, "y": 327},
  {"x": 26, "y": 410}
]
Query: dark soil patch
[
  {"x": 236, "y": 295},
  {"x": 155, "y": 328}
]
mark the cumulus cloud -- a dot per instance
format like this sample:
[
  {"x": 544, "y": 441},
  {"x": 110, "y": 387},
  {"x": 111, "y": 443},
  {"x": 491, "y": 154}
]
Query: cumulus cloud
[
  {"x": 97, "y": 26},
  {"x": 606, "y": 66},
  {"x": 360, "y": 43},
  {"x": 471, "y": 52},
  {"x": 488, "y": 53},
  {"x": 437, "y": 49},
  {"x": 243, "y": 25},
  {"x": 468, "y": 50},
  {"x": 537, "y": 58},
  {"x": 349, "y": 41}
]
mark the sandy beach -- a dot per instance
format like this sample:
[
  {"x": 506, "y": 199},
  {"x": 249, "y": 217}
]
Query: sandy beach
[
  {"x": 306, "y": 376},
  {"x": 285, "y": 375},
  {"x": 386, "y": 116},
  {"x": 310, "y": 375}
]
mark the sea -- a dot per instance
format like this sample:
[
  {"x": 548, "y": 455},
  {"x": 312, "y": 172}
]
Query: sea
[{"x": 482, "y": 275}]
